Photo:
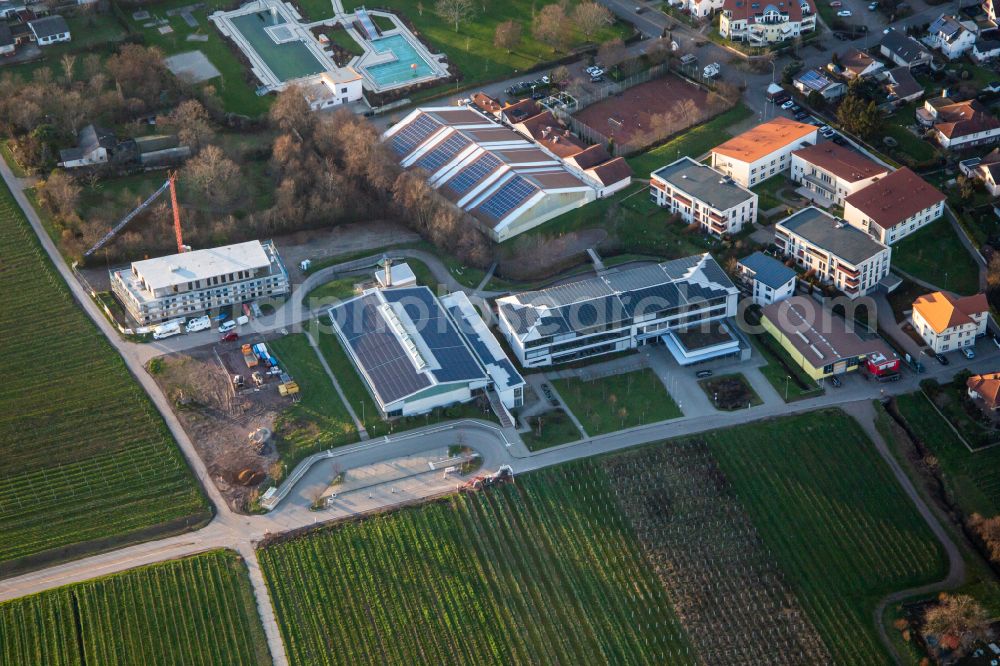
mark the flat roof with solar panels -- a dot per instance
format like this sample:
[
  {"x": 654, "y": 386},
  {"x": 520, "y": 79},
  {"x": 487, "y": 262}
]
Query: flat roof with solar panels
[
  {"x": 410, "y": 351},
  {"x": 506, "y": 181}
]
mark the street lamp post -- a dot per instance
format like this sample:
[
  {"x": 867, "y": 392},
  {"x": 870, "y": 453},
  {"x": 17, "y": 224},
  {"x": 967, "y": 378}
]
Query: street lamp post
[{"x": 787, "y": 377}]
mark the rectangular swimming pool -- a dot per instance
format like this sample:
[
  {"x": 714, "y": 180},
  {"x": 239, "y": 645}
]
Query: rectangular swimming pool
[
  {"x": 289, "y": 60},
  {"x": 400, "y": 70}
]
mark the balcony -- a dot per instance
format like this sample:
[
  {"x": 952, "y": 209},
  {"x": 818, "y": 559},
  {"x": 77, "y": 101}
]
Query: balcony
[{"x": 852, "y": 272}]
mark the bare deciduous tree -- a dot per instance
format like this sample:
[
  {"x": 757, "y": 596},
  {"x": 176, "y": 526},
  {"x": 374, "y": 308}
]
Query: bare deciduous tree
[
  {"x": 590, "y": 17},
  {"x": 214, "y": 176},
  {"x": 60, "y": 193},
  {"x": 507, "y": 35},
  {"x": 958, "y": 615},
  {"x": 455, "y": 12},
  {"x": 551, "y": 27},
  {"x": 611, "y": 53},
  {"x": 190, "y": 120},
  {"x": 291, "y": 112},
  {"x": 68, "y": 63}
]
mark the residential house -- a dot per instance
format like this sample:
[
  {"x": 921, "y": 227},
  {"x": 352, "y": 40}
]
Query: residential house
[
  {"x": 762, "y": 152},
  {"x": 622, "y": 310},
  {"x": 947, "y": 322},
  {"x": 95, "y": 145},
  {"x": 824, "y": 343},
  {"x": 959, "y": 125},
  {"x": 817, "y": 81},
  {"x": 49, "y": 30},
  {"x": 903, "y": 50},
  {"x": 702, "y": 8},
  {"x": 856, "y": 64},
  {"x": 985, "y": 49},
  {"x": 762, "y": 22},
  {"x": 985, "y": 388},
  {"x": 768, "y": 280},
  {"x": 702, "y": 195},
  {"x": 985, "y": 169},
  {"x": 834, "y": 172},
  {"x": 159, "y": 150},
  {"x": 331, "y": 89},
  {"x": 952, "y": 37},
  {"x": 901, "y": 87},
  {"x": 895, "y": 206},
  {"x": 837, "y": 253},
  {"x": 10, "y": 8},
  {"x": 7, "y": 45}
]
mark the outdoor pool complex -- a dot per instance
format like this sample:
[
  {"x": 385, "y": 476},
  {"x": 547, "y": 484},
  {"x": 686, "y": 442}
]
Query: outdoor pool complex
[
  {"x": 399, "y": 71},
  {"x": 288, "y": 60}
]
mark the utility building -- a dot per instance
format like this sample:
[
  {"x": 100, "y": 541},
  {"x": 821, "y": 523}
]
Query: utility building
[{"x": 180, "y": 285}]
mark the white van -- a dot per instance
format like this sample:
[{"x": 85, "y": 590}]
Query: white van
[
  {"x": 227, "y": 326},
  {"x": 166, "y": 330},
  {"x": 198, "y": 324}
]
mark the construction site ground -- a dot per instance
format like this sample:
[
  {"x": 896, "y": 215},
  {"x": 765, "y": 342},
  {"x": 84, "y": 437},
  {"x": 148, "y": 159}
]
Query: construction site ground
[{"x": 219, "y": 418}]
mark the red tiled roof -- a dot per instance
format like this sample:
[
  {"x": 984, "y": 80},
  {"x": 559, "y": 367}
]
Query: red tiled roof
[
  {"x": 545, "y": 130},
  {"x": 612, "y": 171},
  {"x": 750, "y": 9},
  {"x": 964, "y": 118},
  {"x": 890, "y": 200},
  {"x": 486, "y": 103},
  {"x": 987, "y": 386},
  {"x": 590, "y": 157},
  {"x": 764, "y": 139},
  {"x": 844, "y": 163},
  {"x": 942, "y": 310}
]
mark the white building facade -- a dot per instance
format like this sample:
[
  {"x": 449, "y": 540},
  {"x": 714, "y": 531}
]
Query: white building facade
[
  {"x": 894, "y": 207},
  {"x": 834, "y": 172},
  {"x": 699, "y": 193},
  {"x": 946, "y": 322},
  {"x": 181, "y": 285},
  {"x": 762, "y": 152}
]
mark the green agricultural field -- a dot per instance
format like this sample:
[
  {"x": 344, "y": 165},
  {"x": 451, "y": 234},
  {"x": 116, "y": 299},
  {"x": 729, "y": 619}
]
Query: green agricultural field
[
  {"x": 595, "y": 560},
  {"x": 546, "y": 570},
  {"x": 198, "y": 610},
  {"x": 935, "y": 254},
  {"x": 835, "y": 519},
  {"x": 88, "y": 461},
  {"x": 619, "y": 401},
  {"x": 972, "y": 479},
  {"x": 470, "y": 48}
]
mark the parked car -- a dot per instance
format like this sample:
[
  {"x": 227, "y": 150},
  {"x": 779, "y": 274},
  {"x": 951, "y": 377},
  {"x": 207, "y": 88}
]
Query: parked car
[
  {"x": 592, "y": 69},
  {"x": 796, "y": 108},
  {"x": 942, "y": 359},
  {"x": 788, "y": 104},
  {"x": 839, "y": 140},
  {"x": 842, "y": 36},
  {"x": 835, "y": 380},
  {"x": 872, "y": 6},
  {"x": 227, "y": 326},
  {"x": 836, "y": 3},
  {"x": 231, "y": 336},
  {"x": 801, "y": 115},
  {"x": 968, "y": 352},
  {"x": 639, "y": 10},
  {"x": 701, "y": 374},
  {"x": 844, "y": 13}
]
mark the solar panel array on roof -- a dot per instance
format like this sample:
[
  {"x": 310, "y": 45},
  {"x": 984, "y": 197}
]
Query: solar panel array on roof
[
  {"x": 381, "y": 356},
  {"x": 413, "y": 134},
  {"x": 465, "y": 179},
  {"x": 489, "y": 356},
  {"x": 443, "y": 153},
  {"x": 510, "y": 195},
  {"x": 814, "y": 80},
  {"x": 438, "y": 333}
]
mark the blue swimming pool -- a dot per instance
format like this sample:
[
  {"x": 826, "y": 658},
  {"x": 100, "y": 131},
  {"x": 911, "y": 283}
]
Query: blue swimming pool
[{"x": 400, "y": 70}]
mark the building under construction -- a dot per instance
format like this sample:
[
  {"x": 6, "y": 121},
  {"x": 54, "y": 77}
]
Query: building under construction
[{"x": 182, "y": 285}]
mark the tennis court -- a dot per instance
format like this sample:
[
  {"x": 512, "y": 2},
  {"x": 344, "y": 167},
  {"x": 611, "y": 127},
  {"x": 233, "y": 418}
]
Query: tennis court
[{"x": 287, "y": 60}]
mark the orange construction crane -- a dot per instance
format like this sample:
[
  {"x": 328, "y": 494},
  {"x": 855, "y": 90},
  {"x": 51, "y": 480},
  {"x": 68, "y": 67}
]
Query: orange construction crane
[{"x": 171, "y": 185}]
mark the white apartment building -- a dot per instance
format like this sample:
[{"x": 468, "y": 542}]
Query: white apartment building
[
  {"x": 894, "y": 206},
  {"x": 181, "y": 285},
  {"x": 766, "y": 21},
  {"x": 699, "y": 193},
  {"x": 768, "y": 280},
  {"x": 834, "y": 172},
  {"x": 947, "y": 322},
  {"x": 840, "y": 255},
  {"x": 764, "y": 151},
  {"x": 623, "y": 310},
  {"x": 330, "y": 89}
]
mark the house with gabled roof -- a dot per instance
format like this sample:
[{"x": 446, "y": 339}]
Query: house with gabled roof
[
  {"x": 947, "y": 322},
  {"x": 857, "y": 64},
  {"x": 834, "y": 172},
  {"x": 985, "y": 169},
  {"x": 903, "y": 50},
  {"x": 952, "y": 37},
  {"x": 895, "y": 206},
  {"x": 763, "y": 22},
  {"x": 986, "y": 389},
  {"x": 959, "y": 125}
]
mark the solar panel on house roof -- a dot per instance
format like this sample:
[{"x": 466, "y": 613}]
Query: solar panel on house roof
[
  {"x": 814, "y": 80},
  {"x": 510, "y": 195},
  {"x": 442, "y": 153},
  {"x": 472, "y": 174},
  {"x": 413, "y": 134}
]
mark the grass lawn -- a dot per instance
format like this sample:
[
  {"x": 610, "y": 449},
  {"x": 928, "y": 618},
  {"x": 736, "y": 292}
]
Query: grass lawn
[
  {"x": 693, "y": 142},
  {"x": 972, "y": 479},
  {"x": 730, "y": 392},
  {"x": 237, "y": 85},
  {"x": 340, "y": 37},
  {"x": 780, "y": 367},
  {"x": 8, "y": 157},
  {"x": 619, "y": 401},
  {"x": 319, "y": 420},
  {"x": 334, "y": 290},
  {"x": 88, "y": 459},
  {"x": 767, "y": 192},
  {"x": 912, "y": 149},
  {"x": 196, "y": 610},
  {"x": 834, "y": 518},
  {"x": 315, "y": 10},
  {"x": 556, "y": 428},
  {"x": 936, "y": 255},
  {"x": 470, "y": 48}
]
